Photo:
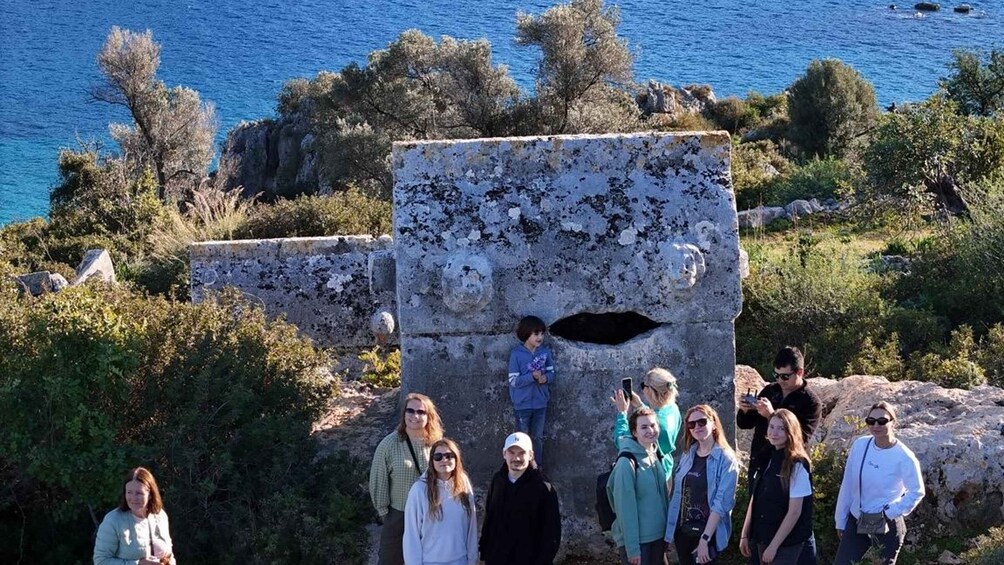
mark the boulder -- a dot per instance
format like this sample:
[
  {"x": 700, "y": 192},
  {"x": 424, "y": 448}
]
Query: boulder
[
  {"x": 927, "y": 7},
  {"x": 963, "y": 9},
  {"x": 41, "y": 282},
  {"x": 664, "y": 99},
  {"x": 798, "y": 208},
  {"x": 760, "y": 216},
  {"x": 96, "y": 264}
]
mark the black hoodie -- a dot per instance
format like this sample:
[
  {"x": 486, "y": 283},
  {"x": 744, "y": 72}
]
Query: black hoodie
[{"x": 522, "y": 521}]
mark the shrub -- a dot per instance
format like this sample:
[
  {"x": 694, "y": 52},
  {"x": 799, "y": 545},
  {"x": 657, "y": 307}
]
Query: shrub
[
  {"x": 884, "y": 361},
  {"x": 381, "y": 369},
  {"x": 822, "y": 301},
  {"x": 977, "y": 87},
  {"x": 754, "y": 168},
  {"x": 339, "y": 214},
  {"x": 988, "y": 549},
  {"x": 954, "y": 366},
  {"x": 991, "y": 355},
  {"x": 214, "y": 398},
  {"x": 732, "y": 114},
  {"x": 830, "y": 107},
  {"x": 818, "y": 178}
]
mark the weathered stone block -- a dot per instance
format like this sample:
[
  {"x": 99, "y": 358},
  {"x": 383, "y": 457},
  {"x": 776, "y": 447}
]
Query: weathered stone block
[
  {"x": 96, "y": 263},
  {"x": 324, "y": 285},
  {"x": 626, "y": 245}
]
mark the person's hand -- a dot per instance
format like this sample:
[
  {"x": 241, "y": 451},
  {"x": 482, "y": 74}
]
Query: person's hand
[
  {"x": 702, "y": 552},
  {"x": 670, "y": 548},
  {"x": 840, "y": 533},
  {"x": 768, "y": 554},
  {"x": 634, "y": 560},
  {"x": 745, "y": 406},
  {"x": 539, "y": 377},
  {"x": 151, "y": 561},
  {"x": 764, "y": 407},
  {"x": 635, "y": 400},
  {"x": 744, "y": 546},
  {"x": 620, "y": 403}
]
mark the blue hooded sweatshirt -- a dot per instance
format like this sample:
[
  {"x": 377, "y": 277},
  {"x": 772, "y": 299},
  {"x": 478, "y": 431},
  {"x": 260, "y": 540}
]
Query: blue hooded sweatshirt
[{"x": 525, "y": 392}]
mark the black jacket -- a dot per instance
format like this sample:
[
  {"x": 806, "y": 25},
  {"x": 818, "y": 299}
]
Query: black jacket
[
  {"x": 770, "y": 503},
  {"x": 803, "y": 402},
  {"x": 522, "y": 523}
]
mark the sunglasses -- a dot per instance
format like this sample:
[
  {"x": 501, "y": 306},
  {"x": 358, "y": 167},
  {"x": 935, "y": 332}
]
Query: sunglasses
[
  {"x": 880, "y": 421},
  {"x": 783, "y": 376},
  {"x": 699, "y": 423},
  {"x": 415, "y": 411},
  {"x": 440, "y": 456}
]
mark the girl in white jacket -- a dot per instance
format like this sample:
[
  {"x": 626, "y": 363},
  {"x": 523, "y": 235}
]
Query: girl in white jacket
[{"x": 440, "y": 525}]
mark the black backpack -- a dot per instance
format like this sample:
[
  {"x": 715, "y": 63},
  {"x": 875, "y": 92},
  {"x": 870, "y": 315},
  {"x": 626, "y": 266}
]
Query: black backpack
[{"x": 604, "y": 511}]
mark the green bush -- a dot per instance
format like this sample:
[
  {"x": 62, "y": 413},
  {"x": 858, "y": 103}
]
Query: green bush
[
  {"x": 881, "y": 360},
  {"x": 991, "y": 355},
  {"x": 822, "y": 301},
  {"x": 988, "y": 549},
  {"x": 215, "y": 399},
  {"x": 755, "y": 166},
  {"x": 381, "y": 369},
  {"x": 954, "y": 366},
  {"x": 344, "y": 213},
  {"x": 830, "y": 107},
  {"x": 817, "y": 178}
]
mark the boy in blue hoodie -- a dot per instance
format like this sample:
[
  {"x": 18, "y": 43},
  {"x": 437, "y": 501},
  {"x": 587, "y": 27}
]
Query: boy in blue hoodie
[{"x": 531, "y": 372}]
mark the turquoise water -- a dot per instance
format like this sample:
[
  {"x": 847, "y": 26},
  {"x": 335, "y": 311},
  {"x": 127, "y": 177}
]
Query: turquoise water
[{"x": 238, "y": 55}]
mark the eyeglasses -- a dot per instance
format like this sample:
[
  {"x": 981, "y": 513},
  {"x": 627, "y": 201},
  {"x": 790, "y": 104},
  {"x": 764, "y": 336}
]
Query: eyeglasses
[
  {"x": 415, "y": 412},
  {"x": 880, "y": 421},
  {"x": 699, "y": 423},
  {"x": 783, "y": 376},
  {"x": 440, "y": 456},
  {"x": 643, "y": 385}
]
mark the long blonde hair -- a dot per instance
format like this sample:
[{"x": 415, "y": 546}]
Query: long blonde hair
[
  {"x": 459, "y": 483},
  {"x": 794, "y": 449},
  {"x": 433, "y": 425},
  {"x": 717, "y": 433},
  {"x": 663, "y": 383}
]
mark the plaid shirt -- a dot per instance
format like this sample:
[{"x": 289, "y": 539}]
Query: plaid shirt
[{"x": 393, "y": 472}]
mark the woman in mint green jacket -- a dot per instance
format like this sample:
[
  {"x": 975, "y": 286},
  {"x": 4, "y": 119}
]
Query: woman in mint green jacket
[
  {"x": 659, "y": 389},
  {"x": 637, "y": 493},
  {"x": 137, "y": 532}
]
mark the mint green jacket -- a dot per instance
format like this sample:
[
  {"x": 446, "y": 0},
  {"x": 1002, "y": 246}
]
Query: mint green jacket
[
  {"x": 638, "y": 497},
  {"x": 118, "y": 543},
  {"x": 669, "y": 430}
]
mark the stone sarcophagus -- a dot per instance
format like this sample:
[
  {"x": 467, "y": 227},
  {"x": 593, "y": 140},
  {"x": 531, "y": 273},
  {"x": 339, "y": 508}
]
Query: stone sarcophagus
[{"x": 625, "y": 245}]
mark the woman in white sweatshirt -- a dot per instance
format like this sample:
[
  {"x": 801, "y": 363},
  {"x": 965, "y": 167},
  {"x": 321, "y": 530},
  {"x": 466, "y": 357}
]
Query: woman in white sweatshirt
[
  {"x": 882, "y": 475},
  {"x": 440, "y": 525}
]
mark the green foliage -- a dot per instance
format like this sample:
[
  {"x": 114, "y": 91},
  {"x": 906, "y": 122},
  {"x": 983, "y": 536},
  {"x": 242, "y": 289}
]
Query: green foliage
[
  {"x": 822, "y": 301},
  {"x": 755, "y": 166},
  {"x": 215, "y": 399},
  {"x": 817, "y": 178},
  {"x": 757, "y": 111},
  {"x": 976, "y": 82},
  {"x": 881, "y": 360},
  {"x": 991, "y": 355},
  {"x": 380, "y": 368},
  {"x": 830, "y": 107},
  {"x": 987, "y": 549},
  {"x": 929, "y": 150},
  {"x": 955, "y": 366},
  {"x": 343, "y": 213},
  {"x": 827, "y": 474}
]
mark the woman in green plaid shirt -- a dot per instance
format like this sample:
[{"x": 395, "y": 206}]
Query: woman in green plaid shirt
[{"x": 400, "y": 459}]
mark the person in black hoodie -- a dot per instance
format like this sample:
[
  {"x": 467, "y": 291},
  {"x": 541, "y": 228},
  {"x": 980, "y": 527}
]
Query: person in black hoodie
[
  {"x": 779, "y": 516},
  {"x": 789, "y": 390},
  {"x": 522, "y": 522}
]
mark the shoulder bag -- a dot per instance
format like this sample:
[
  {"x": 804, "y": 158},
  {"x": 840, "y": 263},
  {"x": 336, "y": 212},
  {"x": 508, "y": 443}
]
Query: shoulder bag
[{"x": 869, "y": 523}]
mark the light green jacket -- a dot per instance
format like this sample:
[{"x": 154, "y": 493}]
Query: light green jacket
[
  {"x": 119, "y": 544},
  {"x": 669, "y": 430},
  {"x": 638, "y": 497}
]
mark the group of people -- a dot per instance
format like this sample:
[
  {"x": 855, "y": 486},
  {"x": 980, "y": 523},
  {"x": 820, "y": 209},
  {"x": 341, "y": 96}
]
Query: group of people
[{"x": 425, "y": 499}]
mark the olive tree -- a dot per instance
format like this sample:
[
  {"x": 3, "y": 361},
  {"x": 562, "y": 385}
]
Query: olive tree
[
  {"x": 584, "y": 66},
  {"x": 830, "y": 108},
  {"x": 976, "y": 82},
  {"x": 173, "y": 129}
]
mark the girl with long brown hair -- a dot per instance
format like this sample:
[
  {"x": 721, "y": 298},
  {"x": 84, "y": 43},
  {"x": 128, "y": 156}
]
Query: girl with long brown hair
[
  {"x": 440, "y": 522},
  {"x": 699, "y": 521},
  {"x": 779, "y": 515}
]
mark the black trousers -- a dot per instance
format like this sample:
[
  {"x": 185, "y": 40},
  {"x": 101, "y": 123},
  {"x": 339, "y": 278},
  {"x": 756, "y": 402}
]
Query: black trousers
[{"x": 392, "y": 539}]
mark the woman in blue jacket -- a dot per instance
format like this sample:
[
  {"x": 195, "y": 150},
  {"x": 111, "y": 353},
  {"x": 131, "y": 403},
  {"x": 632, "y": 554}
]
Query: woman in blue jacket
[{"x": 699, "y": 521}]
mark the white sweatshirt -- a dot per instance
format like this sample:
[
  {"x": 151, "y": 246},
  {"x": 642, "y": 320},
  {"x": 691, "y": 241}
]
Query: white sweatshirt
[
  {"x": 452, "y": 540},
  {"x": 890, "y": 479}
]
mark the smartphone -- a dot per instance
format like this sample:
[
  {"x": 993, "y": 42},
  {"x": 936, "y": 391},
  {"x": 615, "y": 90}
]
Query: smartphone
[
  {"x": 749, "y": 398},
  {"x": 626, "y": 385}
]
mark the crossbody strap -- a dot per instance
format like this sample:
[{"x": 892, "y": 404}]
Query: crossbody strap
[
  {"x": 861, "y": 494},
  {"x": 413, "y": 456}
]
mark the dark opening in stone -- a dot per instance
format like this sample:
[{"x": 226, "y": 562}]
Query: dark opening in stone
[{"x": 611, "y": 328}]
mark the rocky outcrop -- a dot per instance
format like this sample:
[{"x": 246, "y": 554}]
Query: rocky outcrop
[
  {"x": 271, "y": 158},
  {"x": 664, "y": 99},
  {"x": 97, "y": 263},
  {"x": 958, "y": 436},
  {"x": 765, "y": 215},
  {"x": 41, "y": 282}
]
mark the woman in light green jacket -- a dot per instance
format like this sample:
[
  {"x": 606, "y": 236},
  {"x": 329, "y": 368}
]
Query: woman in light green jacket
[{"x": 137, "y": 532}]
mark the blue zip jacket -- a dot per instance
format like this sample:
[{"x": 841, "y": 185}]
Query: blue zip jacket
[
  {"x": 723, "y": 474},
  {"x": 525, "y": 392}
]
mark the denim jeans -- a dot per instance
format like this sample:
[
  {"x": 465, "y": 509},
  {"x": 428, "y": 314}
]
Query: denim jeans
[
  {"x": 853, "y": 545},
  {"x": 531, "y": 422}
]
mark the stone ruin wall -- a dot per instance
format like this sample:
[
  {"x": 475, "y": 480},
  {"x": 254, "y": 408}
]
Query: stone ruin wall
[
  {"x": 338, "y": 290},
  {"x": 639, "y": 229}
]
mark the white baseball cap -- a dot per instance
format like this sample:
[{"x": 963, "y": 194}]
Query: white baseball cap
[{"x": 518, "y": 439}]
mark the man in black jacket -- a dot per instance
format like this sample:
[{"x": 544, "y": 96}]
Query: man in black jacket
[
  {"x": 522, "y": 523},
  {"x": 790, "y": 391}
]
